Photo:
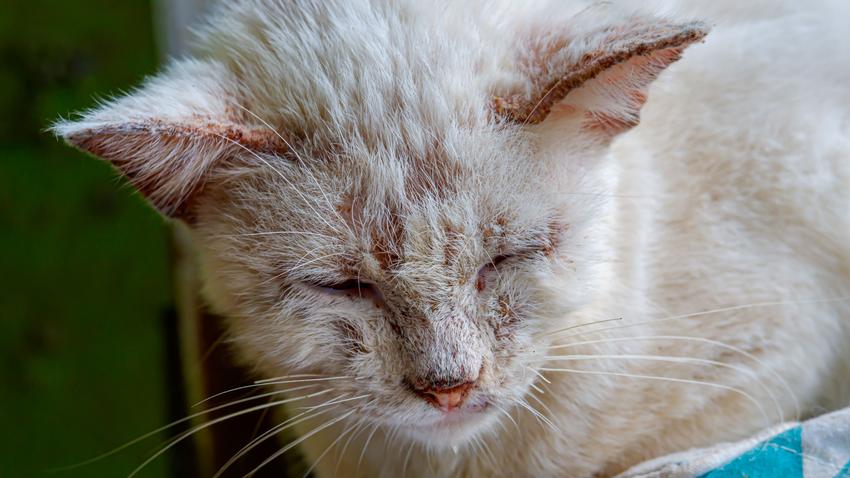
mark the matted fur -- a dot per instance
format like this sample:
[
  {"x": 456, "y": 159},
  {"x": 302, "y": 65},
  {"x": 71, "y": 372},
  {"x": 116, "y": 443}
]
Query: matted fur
[{"x": 411, "y": 145}]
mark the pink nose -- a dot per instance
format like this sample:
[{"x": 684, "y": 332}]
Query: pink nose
[{"x": 447, "y": 399}]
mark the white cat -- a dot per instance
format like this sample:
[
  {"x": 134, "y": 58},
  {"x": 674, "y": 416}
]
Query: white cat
[{"x": 410, "y": 211}]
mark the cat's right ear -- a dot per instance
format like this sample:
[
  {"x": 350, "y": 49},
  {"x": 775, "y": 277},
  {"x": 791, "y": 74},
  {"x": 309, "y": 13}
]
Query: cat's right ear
[
  {"x": 587, "y": 79},
  {"x": 170, "y": 136}
]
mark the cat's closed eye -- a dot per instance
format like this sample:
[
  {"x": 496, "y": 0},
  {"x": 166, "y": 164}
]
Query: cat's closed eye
[
  {"x": 348, "y": 287},
  {"x": 488, "y": 268}
]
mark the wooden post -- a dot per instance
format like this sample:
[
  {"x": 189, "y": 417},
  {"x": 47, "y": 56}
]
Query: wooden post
[
  {"x": 207, "y": 367},
  {"x": 173, "y": 17}
]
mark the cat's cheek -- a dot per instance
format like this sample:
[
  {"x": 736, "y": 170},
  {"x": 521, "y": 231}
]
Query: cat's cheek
[
  {"x": 506, "y": 321},
  {"x": 351, "y": 338}
]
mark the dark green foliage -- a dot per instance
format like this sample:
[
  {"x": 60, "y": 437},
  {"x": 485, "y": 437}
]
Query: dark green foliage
[{"x": 84, "y": 278}]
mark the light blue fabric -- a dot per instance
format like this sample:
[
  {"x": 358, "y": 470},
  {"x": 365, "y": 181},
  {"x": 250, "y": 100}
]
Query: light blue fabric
[
  {"x": 817, "y": 448},
  {"x": 780, "y": 456}
]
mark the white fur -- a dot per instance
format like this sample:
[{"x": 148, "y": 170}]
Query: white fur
[{"x": 732, "y": 192}]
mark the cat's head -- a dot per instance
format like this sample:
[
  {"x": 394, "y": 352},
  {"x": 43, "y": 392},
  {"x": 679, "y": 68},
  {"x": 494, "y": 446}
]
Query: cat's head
[{"x": 406, "y": 203}]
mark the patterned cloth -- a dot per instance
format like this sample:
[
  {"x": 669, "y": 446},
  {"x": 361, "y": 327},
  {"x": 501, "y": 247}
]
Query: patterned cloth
[{"x": 817, "y": 448}]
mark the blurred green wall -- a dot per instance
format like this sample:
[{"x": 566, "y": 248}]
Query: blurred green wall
[{"x": 85, "y": 292}]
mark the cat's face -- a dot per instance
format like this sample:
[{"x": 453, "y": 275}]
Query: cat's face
[
  {"x": 404, "y": 209},
  {"x": 416, "y": 279}
]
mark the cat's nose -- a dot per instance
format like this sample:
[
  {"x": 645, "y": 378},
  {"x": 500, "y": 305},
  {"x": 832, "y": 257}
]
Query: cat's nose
[{"x": 446, "y": 398}]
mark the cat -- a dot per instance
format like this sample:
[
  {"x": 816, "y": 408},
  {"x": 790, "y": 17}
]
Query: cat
[{"x": 493, "y": 238}]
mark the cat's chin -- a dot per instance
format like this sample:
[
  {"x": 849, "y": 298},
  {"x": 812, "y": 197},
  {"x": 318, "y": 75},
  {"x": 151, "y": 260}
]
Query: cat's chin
[{"x": 453, "y": 429}]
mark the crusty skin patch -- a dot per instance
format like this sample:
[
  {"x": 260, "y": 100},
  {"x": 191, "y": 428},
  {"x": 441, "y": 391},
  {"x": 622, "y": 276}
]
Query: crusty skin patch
[{"x": 535, "y": 107}]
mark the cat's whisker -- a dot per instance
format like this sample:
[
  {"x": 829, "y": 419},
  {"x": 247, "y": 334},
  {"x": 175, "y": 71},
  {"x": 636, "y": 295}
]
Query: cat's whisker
[
  {"x": 341, "y": 400},
  {"x": 677, "y": 359},
  {"x": 586, "y": 324},
  {"x": 538, "y": 389},
  {"x": 501, "y": 425},
  {"x": 487, "y": 451},
  {"x": 703, "y": 340},
  {"x": 542, "y": 377},
  {"x": 481, "y": 443},
  {"x": 308, "y": 378},
  {"x": 361, "y": 426},
  {"x": 273, "y": 431},
  {"x": 475, "y": 444},
  {"x": 253, "y": 385},
  {"x": 735, "y": 390},
  {"x": 172, "y": 424},
  {"x": 327, "y": 406},
  {"x": 210, "y": 423},
  {"x": 603, "y": 195},
  {"x": 536, "y": 413},
  {"x": 365, "y": 446},
  {"x": 698, "y": 314},
  {"x": 407, "y": 458},
  {"x": 390, "y": 438},
  {"x": 322, "y": 455},
  {"x": 296, "y": 442},
  {"x": 507, "y": 414},
  {"x": 542, "y": 404}
]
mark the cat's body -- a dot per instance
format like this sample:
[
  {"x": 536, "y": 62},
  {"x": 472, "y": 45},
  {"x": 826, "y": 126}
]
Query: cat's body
[{"x": 417, "y": 156}]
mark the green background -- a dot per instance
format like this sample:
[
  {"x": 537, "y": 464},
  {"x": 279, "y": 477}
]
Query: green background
[{"x": 86, "y": 305}]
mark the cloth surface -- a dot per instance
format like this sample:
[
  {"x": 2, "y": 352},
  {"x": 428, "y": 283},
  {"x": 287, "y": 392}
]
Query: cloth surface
[{"x": 816, "y": 448}]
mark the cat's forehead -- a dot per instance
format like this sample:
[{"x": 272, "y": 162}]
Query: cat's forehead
[
  {"x": 350, "y": 68},
  {"x": 454, "y": 179}
]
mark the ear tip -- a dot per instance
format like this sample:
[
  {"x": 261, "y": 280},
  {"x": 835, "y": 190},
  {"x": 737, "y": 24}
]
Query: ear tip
[
  {"x": 82, "y": 134},
  {"x": 696, "y": 30},
  {"x": 70, "y": 131}
]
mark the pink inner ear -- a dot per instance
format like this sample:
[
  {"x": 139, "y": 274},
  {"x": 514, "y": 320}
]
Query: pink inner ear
[
  {"x": 610, "y": 103},
  {"x": 603, "y": 85}
]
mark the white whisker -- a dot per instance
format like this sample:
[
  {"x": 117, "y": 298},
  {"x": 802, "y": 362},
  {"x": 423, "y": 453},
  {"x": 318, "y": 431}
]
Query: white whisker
[
  {"x": 275, "y": 381},
  {"x": 407, "y": 458},
  {"x": 507, "y": 414},
  {"x": 586, "y": 324},
  {"x": 667, "y": 379},
  {"x": 677, "y": 359},
  {"x": 702, "y": 313},
  {"x": 365, "y": 446},
  {"x": 295, "y": 443},
  {"x": 267, "y": 435},
  {"x": 542, "y": 404},
  {"x": 361, "y": 425},
  {"x": 715, "y": 343},
  {"x": 338, "y": 401},
  {"x": 210, "y": 423},
  {"x": 539, "y": 416},
  {"x": 254, "y": 385},
  {"x": 322, "y": 455},
  {"x": 166, "y": 427}
]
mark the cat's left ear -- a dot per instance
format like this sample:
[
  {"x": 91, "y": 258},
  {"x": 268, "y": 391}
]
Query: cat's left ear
[
  {"x": 591, "y": 81},
  {"x": 172, "y": 136}
]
